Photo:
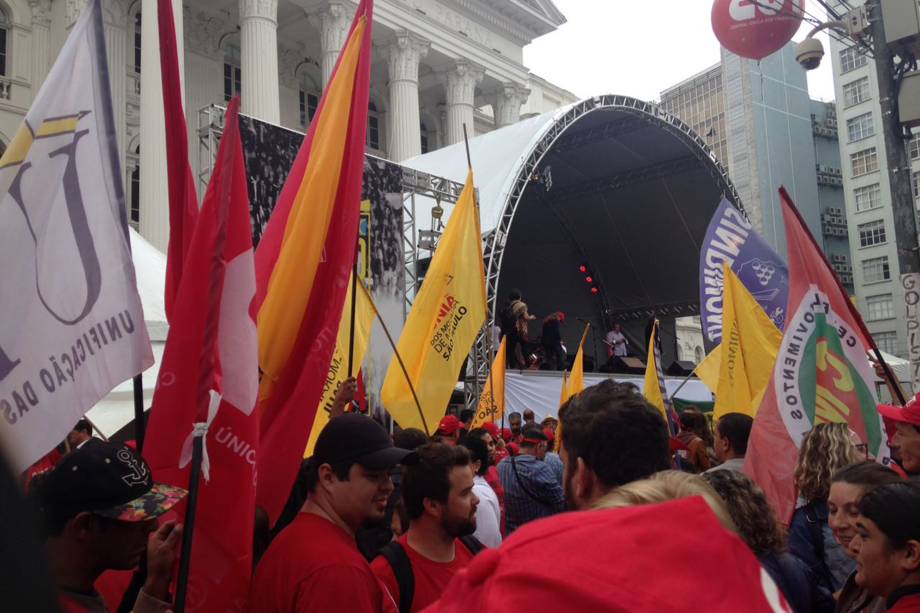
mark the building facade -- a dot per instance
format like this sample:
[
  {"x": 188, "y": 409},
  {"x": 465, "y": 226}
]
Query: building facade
[
  {"x": 867, "y": 193},
  {"x": 437, "y": 65}
]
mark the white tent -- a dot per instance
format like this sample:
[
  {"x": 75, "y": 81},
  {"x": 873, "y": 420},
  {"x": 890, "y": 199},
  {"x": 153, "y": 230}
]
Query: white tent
[{"x": 117, "y": 409}]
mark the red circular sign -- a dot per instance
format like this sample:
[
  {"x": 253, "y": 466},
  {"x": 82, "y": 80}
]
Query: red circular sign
[{"x": 756, "y": 28}]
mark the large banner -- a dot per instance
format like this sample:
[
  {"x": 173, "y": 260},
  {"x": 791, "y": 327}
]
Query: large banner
[
  {"x": 730, "y": 239},
  {"x": 72, "y": 327},
  {"x": 270, "y": 151}
]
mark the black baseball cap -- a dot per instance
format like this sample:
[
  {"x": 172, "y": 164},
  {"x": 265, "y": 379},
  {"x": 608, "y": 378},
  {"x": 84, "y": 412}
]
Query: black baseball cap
[
  {"x": 356, "y": 439},
  {"x": 106, "y": 479}
]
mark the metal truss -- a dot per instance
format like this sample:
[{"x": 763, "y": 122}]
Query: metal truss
[{"x": 555, "y": 135}]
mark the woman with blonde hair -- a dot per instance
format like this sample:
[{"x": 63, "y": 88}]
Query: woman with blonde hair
[{"x": 827, "y": 448}]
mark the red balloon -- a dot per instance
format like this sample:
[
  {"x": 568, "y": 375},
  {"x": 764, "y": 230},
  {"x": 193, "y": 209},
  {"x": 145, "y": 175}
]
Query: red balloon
[{"x": 756, "y": 28}]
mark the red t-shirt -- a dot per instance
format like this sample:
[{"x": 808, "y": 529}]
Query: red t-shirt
[
  {"x": 430, "y": 577},
  {"x": 314, "y": 565}
]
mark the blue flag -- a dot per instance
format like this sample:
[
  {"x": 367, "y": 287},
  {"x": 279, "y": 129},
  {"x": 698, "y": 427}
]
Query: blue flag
[{"x": 730, "y": 239}]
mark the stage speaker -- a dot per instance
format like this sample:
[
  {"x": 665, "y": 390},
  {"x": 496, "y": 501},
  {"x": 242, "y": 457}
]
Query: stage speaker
[
  {"x": 680, "y": 368},
  {"x": 625, "y": 365}
]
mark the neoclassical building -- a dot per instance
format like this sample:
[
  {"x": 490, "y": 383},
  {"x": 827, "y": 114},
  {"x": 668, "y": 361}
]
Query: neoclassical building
[{"x": 437, "y": 65}]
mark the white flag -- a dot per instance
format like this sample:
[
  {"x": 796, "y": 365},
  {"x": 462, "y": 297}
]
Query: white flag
[{"x": 71, "y": 322}]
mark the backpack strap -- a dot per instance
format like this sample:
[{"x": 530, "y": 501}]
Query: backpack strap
[
  {"x": 472, "y": 543},
  {"x": 399, "y": 561}
]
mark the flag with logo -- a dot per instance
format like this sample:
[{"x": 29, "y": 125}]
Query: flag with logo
[
  {"x": 492, "y": 400},
  {"x": 748, "y": 350},
  {"x": 72, "y": 326},
  {"x": 654, "y": 388},
  {"x": 338, "y": 368},
  {"x": 209, "y": 378},
  {"x": 183, "y": 200},
  {"x": 821, "y": 374},
  {"x": 575, "y": 381},
  {"x": 445, "y": 319},
  {"x": 303, "y": 264},
  {"x": 730, "y": 239}
]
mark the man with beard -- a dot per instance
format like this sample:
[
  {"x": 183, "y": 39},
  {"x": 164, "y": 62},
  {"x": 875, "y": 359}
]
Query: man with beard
[
  {"x": 439, "y": 500},
  {"x": 611, "y": 436},
  {"x": 314, "y": 563}
]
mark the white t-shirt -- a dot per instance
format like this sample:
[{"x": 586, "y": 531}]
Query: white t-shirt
[
  {"x": 488, "y": 514},
  {"x": 618, "y": 341}
]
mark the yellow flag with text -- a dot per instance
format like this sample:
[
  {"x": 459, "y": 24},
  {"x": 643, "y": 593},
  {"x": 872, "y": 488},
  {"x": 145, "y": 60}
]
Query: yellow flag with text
[
  {"x": 707, "y": 371},
  {"x": 654, "y": 380},
  {"x": 445, "y": 319},
  {"x": 338, "y": 368},
  {"x": 492, "y": 401},
  {"x": 750, "y": 343},
  {"x": 575, "y": 382}
]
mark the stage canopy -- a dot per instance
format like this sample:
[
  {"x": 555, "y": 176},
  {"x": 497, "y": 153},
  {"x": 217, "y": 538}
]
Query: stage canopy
[{"x": 611, "y": 182}]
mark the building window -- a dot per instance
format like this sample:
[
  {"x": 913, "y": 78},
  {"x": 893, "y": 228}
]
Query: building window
[
  {"x": 232, "y": 72},
  {"x": 872, "y": 233},
  {"x": 856, "y": 92},
  {"x": 868, "y": 197},
  {"x": 137, "y": 42},
  {"x": 308, "y": 104},
  {"x": 864, "y": 162},
  {"x": 423, "y": 130},
  {"x": 913, "y": 147},
  {"x": 887, "y": 341},
  {"x": 698, "y": 354},
  {"x": 879, "y": 307},
  {"x": 876, "y": 269},
  {"x": 373, "y": 127},
  {"x": 851, "y": 58},
  {"x": 915, "y": 183},
  {"x": 860, "y": 127}
]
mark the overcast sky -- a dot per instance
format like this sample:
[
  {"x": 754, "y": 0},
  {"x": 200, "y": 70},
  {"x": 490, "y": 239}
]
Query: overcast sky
[{"x": 639, "y": 47}]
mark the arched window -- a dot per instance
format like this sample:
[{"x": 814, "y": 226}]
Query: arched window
[
  {"x": 137, "y": 42},
  {"x": 373, "y": 127},
  {"x": 4, "y": 29},
  {"x": 309, "y": 100},
  {"x": 134, "y": 205},
  {"x": 698, "y": 354},
  {"x": 232, "y": 71},
  {"x": 423, "y": 130}
]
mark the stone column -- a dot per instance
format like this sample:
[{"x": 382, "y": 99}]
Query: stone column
[
  {"x": 507, "y": 105},
  {"x": 461, "y": 84},
  {"x": 333, "y": 22},
  {"x": 260, "y": 96},
  {"x": 41, "y": 42},
  {"x": 154, "y": 209},
  {"x": 116, "y": 47},
  {"x": 404, "y": 133}
]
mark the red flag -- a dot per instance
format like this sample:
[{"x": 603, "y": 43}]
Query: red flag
[
  {"x": 209, "y": 375},
  {"x": 303, "y": 265},
  {"x": 183, "y": 201},
  {"x": 821, "y": 375}
]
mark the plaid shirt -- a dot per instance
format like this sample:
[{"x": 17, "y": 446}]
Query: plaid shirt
[{"x": 534, "y": 479}]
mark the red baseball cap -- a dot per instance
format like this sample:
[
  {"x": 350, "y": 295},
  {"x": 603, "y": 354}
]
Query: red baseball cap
[
  {"x": 548, "y": 432},
  {"x": 507, "y": 434},
  {"x": 492, "y": 429},
  {"x": 449, "y": 425},
  {"x": 612, "y": 560},
  {"x": 908, "y": 414}
]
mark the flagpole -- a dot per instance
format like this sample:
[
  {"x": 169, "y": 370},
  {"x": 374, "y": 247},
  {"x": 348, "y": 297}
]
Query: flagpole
[
  {"x": 354, "y": 299},
  {"x": 889, "y": 374},
  {"x": 399, "y": 359},
  {"x": 140, "y": 428}
]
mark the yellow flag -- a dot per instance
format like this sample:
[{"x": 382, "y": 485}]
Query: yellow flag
[
  {"x": 749, "y": 346},
  {"x": 338, "y": 368},
  {"x": 708, "y": 369},
  {"x": 444, "y": 321},
  {"x": 575, "y": 382},
  {"x": 653, "y": 376},
  {"x": 492, "y": 401}
]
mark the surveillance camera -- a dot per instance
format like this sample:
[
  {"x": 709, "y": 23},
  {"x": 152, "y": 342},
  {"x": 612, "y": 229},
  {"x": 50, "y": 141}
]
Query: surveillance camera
[{"x": 809, "y": 52}]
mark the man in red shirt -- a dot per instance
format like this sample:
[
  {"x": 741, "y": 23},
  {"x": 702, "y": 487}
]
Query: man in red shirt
[
  {"x": 439, "y": 499},
  {"x": 314, "y": 563}
]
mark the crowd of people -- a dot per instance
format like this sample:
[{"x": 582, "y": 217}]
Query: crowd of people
[{"x": 532, "y": 514}]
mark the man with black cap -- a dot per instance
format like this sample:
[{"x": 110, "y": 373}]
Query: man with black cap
[
  {"x": 100, "y": 507},
  {"x": 532, "y": 490},
  {"x": 314, "y": 563}
]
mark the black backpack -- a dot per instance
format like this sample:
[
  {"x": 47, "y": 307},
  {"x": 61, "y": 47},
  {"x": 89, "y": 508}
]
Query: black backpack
[{"x": 399, "y": 561}]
